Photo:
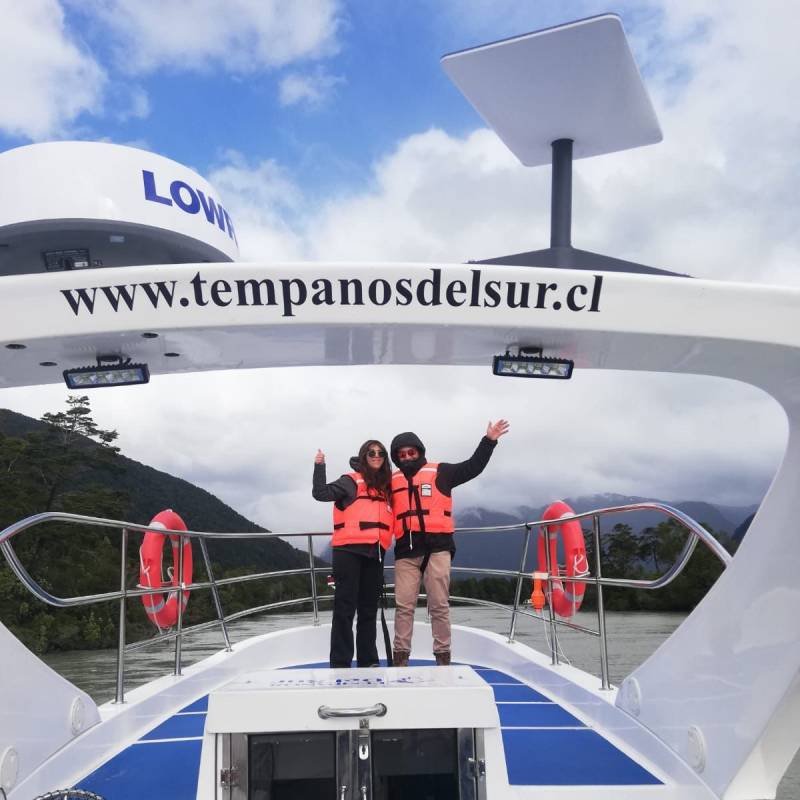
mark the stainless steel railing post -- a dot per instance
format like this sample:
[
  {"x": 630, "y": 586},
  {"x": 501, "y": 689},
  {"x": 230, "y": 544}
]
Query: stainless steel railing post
[
  {"x": 512, "y": 631},
  {"x": 215, "y": 595},
  {"x": 551, "y": 616},
  {"x": 119, "y": 696},
  {"x": 601, "y": 612},
  {"x": 179, "y": 599},
  {"x": 314, "y": 600}
]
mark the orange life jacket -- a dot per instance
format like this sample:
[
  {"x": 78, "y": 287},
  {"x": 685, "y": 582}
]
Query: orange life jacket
[
  {"x": 423, "y": 509},
  {"x": 367, "y": 520}
]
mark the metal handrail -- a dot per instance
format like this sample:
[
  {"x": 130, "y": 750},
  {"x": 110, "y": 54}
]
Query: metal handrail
[
  {"x": 90, "y": 599},
  {"x": 62, "y": 516},
  {"x": 675, "y": 513},
  {"x": 696, "y": 533}
]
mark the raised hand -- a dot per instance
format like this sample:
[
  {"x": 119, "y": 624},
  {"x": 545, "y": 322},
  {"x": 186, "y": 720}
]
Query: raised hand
[
  {"x": 497, "y": 429},
  {"x": 319, "y": 458}
]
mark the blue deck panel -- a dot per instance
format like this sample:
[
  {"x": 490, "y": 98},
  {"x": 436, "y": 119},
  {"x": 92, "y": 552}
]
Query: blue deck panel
[
  {"x": 569, "y": 758},
  {"x": 164, "y": 771},
  {"x": 178, "y": 727},
  {"x": 517, "y": 693},
  {"x": 536, "y": 715},
  {"x": 495, "y": 676},
  {"x": 198, "y": 705}
]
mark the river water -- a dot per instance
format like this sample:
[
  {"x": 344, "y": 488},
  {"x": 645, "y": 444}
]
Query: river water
[{"x": 632, "y": 637}]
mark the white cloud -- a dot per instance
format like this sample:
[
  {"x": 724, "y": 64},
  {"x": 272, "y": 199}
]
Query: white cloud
[
  {"x": 266, "y": 205},
  {"x": 718, "y": 197},
  {"x": 251, "y": 438},
  {"x": 312, "y": 89},
  {"x": 438, "y": 198},
  {"x": 135, "y": 103},
  {"x": 716, "y": 200},
  {"x": 47, "y": 78},
  {"x": 694, "y": 204},
  {"x": 433, "y": 198},
  {"x": 243, "y": 36}
]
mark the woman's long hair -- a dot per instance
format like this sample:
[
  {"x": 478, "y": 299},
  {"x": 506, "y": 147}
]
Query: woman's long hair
[{"x": 378, "y": 479}]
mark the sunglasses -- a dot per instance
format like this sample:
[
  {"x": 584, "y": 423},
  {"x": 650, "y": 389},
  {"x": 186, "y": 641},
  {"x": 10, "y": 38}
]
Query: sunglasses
[
  {"x": 408, "y": 452},
  {"x": 376, "y": 453}
]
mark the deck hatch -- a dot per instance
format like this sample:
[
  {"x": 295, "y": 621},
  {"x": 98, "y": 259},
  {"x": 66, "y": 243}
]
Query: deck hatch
[{"x": 445, "y": 763}]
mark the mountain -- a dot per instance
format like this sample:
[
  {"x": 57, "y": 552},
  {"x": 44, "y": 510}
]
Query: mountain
[
  {"x": 151, "y": 490},
  {"x": 504, "y": 550},
  {"x": 740, "y": 531},
  {"x": 723, "y": 519}
]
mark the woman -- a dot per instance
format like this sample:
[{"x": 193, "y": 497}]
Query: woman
[{"x": 362, "y": 531}]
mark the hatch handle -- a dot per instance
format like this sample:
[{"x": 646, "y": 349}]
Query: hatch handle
[{"x": 327, "y": 712}]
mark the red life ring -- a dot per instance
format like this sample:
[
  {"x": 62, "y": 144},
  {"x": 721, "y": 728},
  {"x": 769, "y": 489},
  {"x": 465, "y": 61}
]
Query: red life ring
[
  {"x": 566, "y": 596},
  {"x": 163, "y": 608}
]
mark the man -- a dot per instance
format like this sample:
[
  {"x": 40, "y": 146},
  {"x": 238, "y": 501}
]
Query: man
[{"x": 423, "y": 531}]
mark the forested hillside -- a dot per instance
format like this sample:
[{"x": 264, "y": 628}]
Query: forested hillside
[{"x": 65, "y": 462}]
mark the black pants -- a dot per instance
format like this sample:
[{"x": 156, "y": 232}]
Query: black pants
[{"x": 358, "y": 585}]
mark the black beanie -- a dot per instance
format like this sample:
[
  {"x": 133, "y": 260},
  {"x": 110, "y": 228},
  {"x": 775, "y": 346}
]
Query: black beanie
[{"x": 407, "y": 439}]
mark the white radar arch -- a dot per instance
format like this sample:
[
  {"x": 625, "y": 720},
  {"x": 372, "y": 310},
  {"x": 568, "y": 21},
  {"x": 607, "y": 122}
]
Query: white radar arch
[{"x": 84, "y": 205}]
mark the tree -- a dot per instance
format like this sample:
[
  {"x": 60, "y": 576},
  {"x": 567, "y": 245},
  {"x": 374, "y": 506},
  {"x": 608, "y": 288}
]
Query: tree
[
  {"x": 649, "y": 547},
  {"x": 74, "y": 444},
  {"x": 55, "y": 468},
  {"x": 588, "y": 542},
  {"x": 622, "y": 553},
  {"x": 16, "y": 483}
]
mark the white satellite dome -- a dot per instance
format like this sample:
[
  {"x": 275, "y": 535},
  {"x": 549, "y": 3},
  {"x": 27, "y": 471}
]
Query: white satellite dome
[{"x": 82, "y": 205}]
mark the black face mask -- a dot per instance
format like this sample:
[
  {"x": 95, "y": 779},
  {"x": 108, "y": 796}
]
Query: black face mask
[{"x": 410, "y": 467}]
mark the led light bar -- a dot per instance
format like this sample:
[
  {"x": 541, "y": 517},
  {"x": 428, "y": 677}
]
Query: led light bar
[
  {"x": 123, "y": 373},
  {"x": 532, "y": 367}
]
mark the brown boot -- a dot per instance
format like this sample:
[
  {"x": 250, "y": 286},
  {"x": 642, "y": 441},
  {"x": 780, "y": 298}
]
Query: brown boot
[
  {"x": 442, "y": 659},
  {"x": 400, "y": 658}
]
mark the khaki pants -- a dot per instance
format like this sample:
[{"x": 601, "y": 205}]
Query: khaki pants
[{"x": 437, "y": 586}]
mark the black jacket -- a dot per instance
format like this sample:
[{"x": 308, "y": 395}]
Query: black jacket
[
  {"x": 448, "y": 476},
  {"x": 342, "y": 491}
]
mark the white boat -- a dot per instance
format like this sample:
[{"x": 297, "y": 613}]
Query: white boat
[{"x": 711, "y": 715}]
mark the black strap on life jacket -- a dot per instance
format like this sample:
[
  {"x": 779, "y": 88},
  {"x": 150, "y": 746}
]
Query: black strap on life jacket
[
  {"x": 387, "y": 642},
  {"x": 425, "y": 559},
  {"x": 367, "y": 526},
  {"x": 414, "y": 510},
  {"x": 414, "y": 513}
]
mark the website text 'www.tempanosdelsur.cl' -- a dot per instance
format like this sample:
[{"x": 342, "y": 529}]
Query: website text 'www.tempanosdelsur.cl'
[{"x": 289, "y": 295}]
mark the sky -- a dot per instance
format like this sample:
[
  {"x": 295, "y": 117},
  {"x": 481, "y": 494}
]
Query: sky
[{"x": 331, "y": 133}]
